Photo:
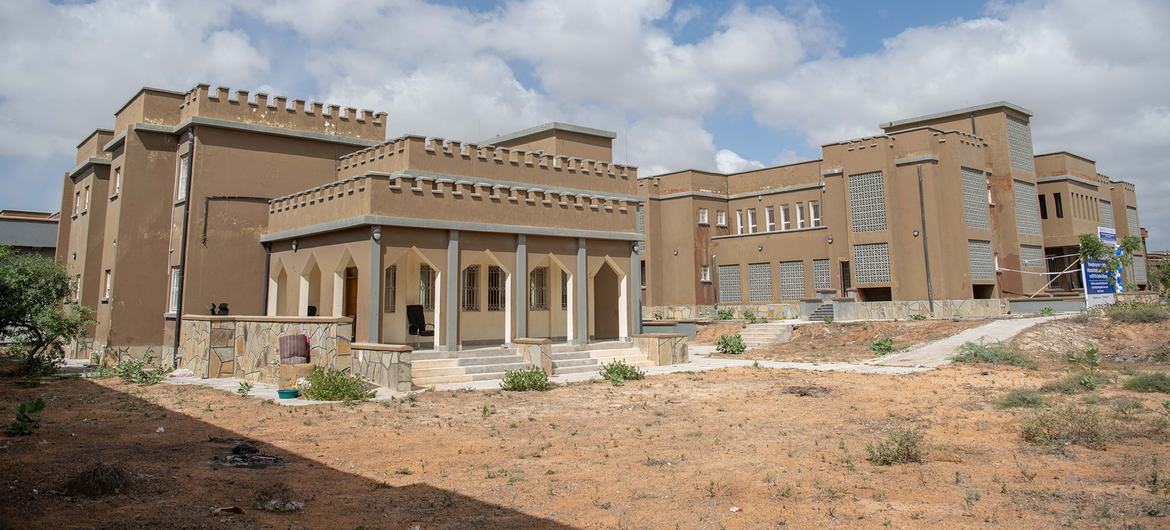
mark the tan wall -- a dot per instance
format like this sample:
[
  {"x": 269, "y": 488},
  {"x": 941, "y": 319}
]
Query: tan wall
[
  {"x": 148, "y": 106},
  {"x": 565, "y": 143},
  {"x": 93, "y": 144},
  {"x": 85, "y": 230},
  {"x": 258, "y": 110}
]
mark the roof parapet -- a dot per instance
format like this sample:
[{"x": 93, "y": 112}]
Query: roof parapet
[{"x": 275, "y": 111}]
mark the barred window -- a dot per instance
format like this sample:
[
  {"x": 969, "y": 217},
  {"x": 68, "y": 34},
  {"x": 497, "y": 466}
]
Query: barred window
[
  {"x": 814, "y": 213},
  {"x": 760, "y": 282},
  {"x": 1028, "y": 208},
  {"x": 871, "y": 263},
  {"x": 867, "y": 202},
  {"x": 982, "y": 260},
  {"x": 1020, "y": 144},
  {"x": 426, "y": 287},
  {"x": 729, "y": 290},
  {"x": 471, "y": 288},
  {"x": 821, "y": 276},
  {"x": 1106, "y": 212},
  {"x": 538, "y": 289},
  {"x": 390, "y": 289},
  {"x": 974, "y": 198},
  {"x": 791, "y": 280},
  {"x": 496, "y": 291},
  {"x": 565, "y": 289},
  {"x": 1032, "y": 257}
]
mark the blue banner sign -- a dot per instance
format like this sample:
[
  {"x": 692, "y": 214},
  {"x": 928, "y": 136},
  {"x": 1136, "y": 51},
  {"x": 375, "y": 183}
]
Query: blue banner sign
[{"x": 1098, "y": 287}]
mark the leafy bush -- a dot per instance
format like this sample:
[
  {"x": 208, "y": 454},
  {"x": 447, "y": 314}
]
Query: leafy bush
[
  {"x": 38, "y": 314},
  {"x": 1149, "y": 382},
  {"x": 724, "y": 314},
  {"x": 992, "y": 353},
  {"x": 1047, "y": 311},
  {"x": 618, "y": 372},
  {"x": 1021, "y": 399},
  {"x": 245, "y": 388},
  {"x": 750, "y": 317},
  {"x": 27, "y": 417},
  {"x": 1088, "y": 362},
  {"x": 132, "y": 370},
  {"x": 524, "y": 379},
  {"x": 730, "y": 344},
  {"x": 1069, "y": 425},
  {"x": 900, "y": 447},
  {"x": 329, "y": 384},
  {"x": 884, "y": 346},
  {"x": 1138, "y": 312},
  {"x": 917, "y": 316},
  {"x": 828, "y": 319},
  {"x": 1162, "y": 354}
]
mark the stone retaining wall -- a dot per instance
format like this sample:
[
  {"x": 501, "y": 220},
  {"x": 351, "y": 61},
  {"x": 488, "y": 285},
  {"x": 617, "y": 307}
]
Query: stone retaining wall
[
  {"x": 385, "y": 365},
  {"x": 902, "y": 310},
  {"x": 248, "y": 347},
  {"x": 776, "y": 311},
  {"x": 663, "y": 348}
]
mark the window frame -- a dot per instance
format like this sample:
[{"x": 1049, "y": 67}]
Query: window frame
[
  {"x": 426, "y": 287},
  {"x": 753, "y": 221},
  {"x": 107, "y": 289},
  {"x": 469, "y": 289},
  {"x": 704, "y": 273},
  {"x": 799, "y": 215},
  {"x": 739, "y": 222},
  {"x": 390, "y": 289},
  {"x": 785, "y": 218},
  {"x": 720, "y": 217},
  {"x": 814, "y": 214},
  {"x": 702, "y": 215},
  {"x": 183, "y": 174},
  {"x": 538, "y": 289},
  {"x": 117, "y": 183},
  {"x": 769, "y": 218},
  {"x": 497, "y": 291},
  {"x": 174, "y": 288}
]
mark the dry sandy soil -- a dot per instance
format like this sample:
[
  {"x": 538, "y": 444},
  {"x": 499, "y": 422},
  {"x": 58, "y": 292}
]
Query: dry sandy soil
[
  {"x": 670, "y": 451},
  {"x": 850, "y": 341}
]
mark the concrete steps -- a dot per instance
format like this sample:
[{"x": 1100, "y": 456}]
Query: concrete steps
[
  {"x": 823, "y": 311},
  {"x": 458, "y": 367},
  {"x": 757, "y": 335}
]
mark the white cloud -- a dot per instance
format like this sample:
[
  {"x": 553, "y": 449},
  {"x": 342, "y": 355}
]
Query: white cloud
[{"x": 728, "y": 161}]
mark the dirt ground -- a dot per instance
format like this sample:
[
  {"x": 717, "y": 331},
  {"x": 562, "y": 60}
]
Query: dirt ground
[
  {"x": 1127, "y": 343},
  {"x": 671, "y": 451},
  {"x": 706, "y": 334},
  {"x": 850, "y": 341}
]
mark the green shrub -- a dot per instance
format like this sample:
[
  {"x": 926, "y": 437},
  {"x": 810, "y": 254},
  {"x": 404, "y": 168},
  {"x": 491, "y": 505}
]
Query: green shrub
[
  {"x": 1047, "y": 311},
  {"x": 827, "y": 319},
  {"x": 902, "y": 446},
  {"x": 524, "y": 379},
  {"x": 992, "y": 353},
  {"x": 1149, "y": 382},
  {"x": 1072, "y": 384},
  {"x": 1021, "y": 399},
  {"x": 724, "y": 314},
  {"x": 1161, "y": 355},
  {"x": 750, "y": 317},
  {"x": 917, "y": 316},
  {"x": 1088, "y": 363},
  {"x": 329, "y": 384},
  {"x": 730, "y": 344},
  {"x": 27, "y": 417},
  {"x": 1138, "y": 312},
  {"x": 245, "y": 388},
  {"x": 1069, "y": 425},
  {"x": 618, "y": 372},
  {"x": 139, "y": 371},
  {"x": 884, "y": 346}
]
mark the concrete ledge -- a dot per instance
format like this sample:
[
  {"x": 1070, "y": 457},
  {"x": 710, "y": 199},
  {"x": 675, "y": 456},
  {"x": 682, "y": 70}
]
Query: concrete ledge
[
  {"x": 250, "y": 318},
  {"x": 536, "y": 352},
  {"x": 381, "y": 347},
  {"x": 663, "y": 348}
]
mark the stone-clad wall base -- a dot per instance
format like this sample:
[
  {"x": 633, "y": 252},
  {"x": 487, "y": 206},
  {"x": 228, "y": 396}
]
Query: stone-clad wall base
[
  {"x": 385, "y": 365},
  {"x": 663, "y": 348},
  {"x": 104, "y": 355},
  {"x": 776, "y": 311},
  {"x": 902, "y": 310},
  {"x": 536, "y": 352},
  {"x": 249, "y": 347}
]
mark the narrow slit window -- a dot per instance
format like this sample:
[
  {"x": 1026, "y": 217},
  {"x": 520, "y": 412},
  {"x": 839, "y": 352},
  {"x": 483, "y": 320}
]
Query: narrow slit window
[
  {"x": 390, "y": 289},
  {"x": 496, "y": 292},
  {"x": 426, "y": 287},
  {"x": 538, "y": 289},
  {"x": 471, "y": 288},
  {"x": 565, "y": 290},
  {"x": 770, "y": 219}
]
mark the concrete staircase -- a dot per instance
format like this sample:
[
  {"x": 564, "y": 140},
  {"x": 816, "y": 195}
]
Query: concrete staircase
[
  {"x": 823, "y": 311},
  {"x": 757, "y": 335},
  {"x": 435, "y": 367}
]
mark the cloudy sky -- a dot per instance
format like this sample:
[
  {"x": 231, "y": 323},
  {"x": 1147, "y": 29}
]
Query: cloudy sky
[{"x": 713, "y": 85}]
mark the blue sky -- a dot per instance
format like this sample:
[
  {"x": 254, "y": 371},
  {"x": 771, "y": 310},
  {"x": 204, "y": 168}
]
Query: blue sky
[{"x": 721, "y": 85}]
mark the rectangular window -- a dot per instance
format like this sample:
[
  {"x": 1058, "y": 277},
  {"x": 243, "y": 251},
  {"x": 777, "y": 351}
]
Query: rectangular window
[
  {"x": 720, "y": 218},
  {"x": 390, "y": 289},
  {"x": 176, "y": 282},
  {"x": 872, "y": 262},
  {"x": 1131, "y": 219},
  {"x": 702, "y": 216},
  {"x": 184, "y": 174},
  {"x": 1020, "y": 144},
  {"x": 800, "y": 215},
  {"x": 704, "y": 273},
  {"x": 1106, "y": 213},
  {"x": 76, "y": 202},
  {"x": 821, "y": 275},
  {"x": 975, "y": 211},
  {"x": 471, "y": 288},
  {"x": 538, "y": 289},
  {"x": 565, "y": 287},
  {"x": 770, "y": 218},
  {"x": 785, "y": 218},
  {"x": 982, "y": 260},
  {"x": 791, "y": 280},
  {"x": 87, "y": 197},
  {"x": 426, "y": 287},
  {"x": 867, "y": 202},
  {"x": 1059, "y": 205},
  {"x": 106, "y": 289},
  {"x": 814, "y": 213},
  {"x": 739, "y": 221},
  {"x": 77, "y": 288},
  {"x": 1044, "y": 207},
  {"x": 760, "y": 282},
  {"x": 729, "y": 290},
  {"x": 753, "y": 225},
  {"x": 496, "y": 293},
  {"x": 117, "y": 182}
]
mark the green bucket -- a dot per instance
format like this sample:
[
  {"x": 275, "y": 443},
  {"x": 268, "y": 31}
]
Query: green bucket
[{"x": 288, "y": 393}]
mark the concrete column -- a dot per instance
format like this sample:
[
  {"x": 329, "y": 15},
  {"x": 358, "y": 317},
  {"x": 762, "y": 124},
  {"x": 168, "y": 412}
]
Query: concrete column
[
  {"x": 635, "y": 289},
  {"x": 582, "y": 297},
  {"x": 451, "y": 319},
  {"x": 374, "y": 312},
  {"x": 521, "y": 294}
]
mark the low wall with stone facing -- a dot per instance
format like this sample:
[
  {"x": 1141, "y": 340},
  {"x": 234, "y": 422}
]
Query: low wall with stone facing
[
  {"x": 903, "y": 310},
  {"x": 776, "y": 311},
  {"x": 663, "y": 348},
  {"x": 385, "y": 365},
  {"x": 536, "y": 352},
  {"x": 248, "y": 347}
]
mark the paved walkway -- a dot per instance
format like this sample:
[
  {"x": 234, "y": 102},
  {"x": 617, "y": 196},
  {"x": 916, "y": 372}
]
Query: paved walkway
[{"x": 940, "y": 352}]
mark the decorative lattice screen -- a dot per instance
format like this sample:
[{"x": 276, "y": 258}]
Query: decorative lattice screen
[
  {"x": 791, "y": 280},
  {"x": 1105, "y": 209},
  {"x": 729, "y": 283},
  {"x": 1139, "y": 270},
  {"x": 867, "y": 202},
  {"x": 975, "y": 199},
  {"x": 1027, "y": 208},
  {"x": 871, "y": 263},
  {"x": 821, "y": 276},
  {"x": 1020, "y": 145},
  {"x": 1032, "y": 257},
  {"x": 982, "y": 260},
  {"x": 760, "y": 282},
  {"x": 1132, "y": 220}
]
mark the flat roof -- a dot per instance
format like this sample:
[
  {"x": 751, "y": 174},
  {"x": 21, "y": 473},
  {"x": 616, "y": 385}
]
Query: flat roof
[
  {"x": 147, "y": 89},
  {"x": 957, "y": 112},
  {"x": 1066, "y": 153},
  {"x": 35, "y": 233},
  {"x": 550, "y": 126}
]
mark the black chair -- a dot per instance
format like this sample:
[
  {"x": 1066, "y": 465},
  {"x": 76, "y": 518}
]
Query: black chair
[
  {"x": 417, "y": 323},
  {"x": 312, "y": 311},
  {"x": 223, "y": 309}
]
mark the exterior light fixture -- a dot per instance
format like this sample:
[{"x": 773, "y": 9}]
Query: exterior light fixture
[
  {"x": 296, "y": 243},
  {"x": 676, "y": 252},
  {"x": 915, "y": 232},
  {"x": 759, "y": 248},
  {"x": 830, "y": 240},
  {"x": 376, "y": 233}
]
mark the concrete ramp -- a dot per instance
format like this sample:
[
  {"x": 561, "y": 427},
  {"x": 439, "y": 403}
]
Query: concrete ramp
[{"x": 940, "y": 352}]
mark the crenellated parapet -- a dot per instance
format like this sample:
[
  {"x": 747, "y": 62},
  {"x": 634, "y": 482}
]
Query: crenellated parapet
[{"x": 278, "y": 111}]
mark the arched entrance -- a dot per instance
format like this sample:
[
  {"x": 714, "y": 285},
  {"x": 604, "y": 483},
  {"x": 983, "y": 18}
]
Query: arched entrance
[{"x": 606, "y": 303}]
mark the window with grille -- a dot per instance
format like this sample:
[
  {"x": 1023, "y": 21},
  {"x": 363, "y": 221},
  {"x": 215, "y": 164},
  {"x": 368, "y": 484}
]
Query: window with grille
[
  {"x": 729, "y": 289},
  {"x": 975, "y": 199},
  {"x": 1032, "y": 257},
  {"x": 982, "y": 260},
  {"x": 390, "y": 289},
  {"x": 704, "y": 273},
  {"x": 1131, "y": 219},
  {"x": 702, "y": 216},
  {"x": 1020, "y": 144},
  {"x": 785, "y": 217},
  {"x": 1028, "y": 208},
  {"x": 753, "y": 226},
  {"x": 538, "y": 289},
  {"x": 721, "y": 218},
  {"x": 791, "y": 280},
  {"x": 871, "y": 263},
  {"x": 640, "y": 225},
  {"x": 471, "y": 288},
  {"x": 821, "y": 276},
  {"x": 426, "y": 287},
  {"x": 814, "y": 213},
  {"x": 760, "y": 282},
  {"x": 867, "y": 202},
  {"x": 496, "y": 291},
  {"x": 770, "y": 219},
  {"x": 565, "y": 289}
]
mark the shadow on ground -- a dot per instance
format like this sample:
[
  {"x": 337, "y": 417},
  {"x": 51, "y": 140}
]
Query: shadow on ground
[{"x": 176, "y": 481}]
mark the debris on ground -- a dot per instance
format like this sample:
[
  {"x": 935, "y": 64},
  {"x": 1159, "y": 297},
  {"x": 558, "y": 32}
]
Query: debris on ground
[
  {"x": 101, "y": 479},
  {"x": 277, "y": 498},
  {"x": 227, "y": 510},
  {"x": 244, "y": 453},
  {"x": 806, "y": 391}
]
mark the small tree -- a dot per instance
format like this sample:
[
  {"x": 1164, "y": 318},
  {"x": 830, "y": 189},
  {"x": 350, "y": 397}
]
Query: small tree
[{"x": 37, "y": 312}]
